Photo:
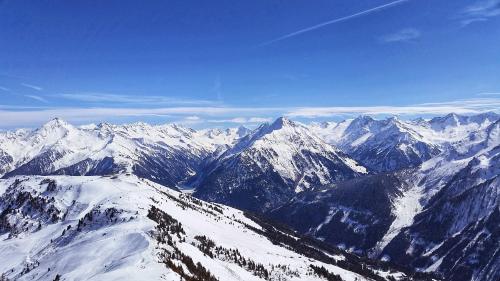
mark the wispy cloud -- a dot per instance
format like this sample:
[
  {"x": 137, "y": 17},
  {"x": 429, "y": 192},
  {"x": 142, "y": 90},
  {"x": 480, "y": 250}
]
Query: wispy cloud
[
  {"x": 480, "y": 11},
  {"x": 30, "y": 116},
  {"x": 33, "y": 87},
  {"x": 259, "y": 120},
  {"x": 403, "y": 35},
  {"x": 16, "y": 117},
  {"x": 38, "y": 98},
  {"x": 468, "y": 106},
  {"x": 337, "y": 20},
  {"x": 242, "y": 120},
  {"x": 489, "y": 94},
  {"x": 4, "y": 89},
  {"x": 190, "y": 120},
  {"x": 131, "y": 99},
  {"x": 193, "y": 118}
]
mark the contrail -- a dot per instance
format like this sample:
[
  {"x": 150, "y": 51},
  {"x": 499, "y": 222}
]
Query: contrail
[{"x": 332, "y": 22}]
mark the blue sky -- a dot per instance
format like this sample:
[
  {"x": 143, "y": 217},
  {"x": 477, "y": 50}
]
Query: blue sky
[{"x": 223, "y": 63}]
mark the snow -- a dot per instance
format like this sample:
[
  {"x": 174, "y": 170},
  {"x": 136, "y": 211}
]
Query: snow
[
  {"x": 327, "y": 220},
  {"x": 218, "y": 137},
  {"x": 282, "y": 143},
  {"x": 355, "y": 166},
  {"x": 404, "y": 208},
  {"x": 361, "y": 140},
  {"x": 331, "y": 132},
  {"x": 126, "y": 249}
]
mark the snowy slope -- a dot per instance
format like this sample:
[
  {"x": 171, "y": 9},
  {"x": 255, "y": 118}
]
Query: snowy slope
[
  {"x": 272, "y": 164},
  {"x": 127, "y": 228}
]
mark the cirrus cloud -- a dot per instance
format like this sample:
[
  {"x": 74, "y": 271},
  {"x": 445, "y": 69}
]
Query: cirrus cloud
[
  {"x": 13, "y": 116},
  {"x": 480, "y": 11},
  {"x": 94, "y": 97},
  {"x": 467, "y": 106},
  {"x": 403, "y": 35}
]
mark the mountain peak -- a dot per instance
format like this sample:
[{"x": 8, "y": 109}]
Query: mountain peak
[
  {"x": 394, "y": 121},
  {"x": 451, "y": 119},
  {"x": 362, "y": 120},
  {"x": 393, "y": 118},
  {"x": 282, "y": 122},
  {"x": 53, "y": 128},
  {"x": 104, "y": 128},
  {"x": 56, "y": 120},
  {"x": 55, "y": 123},
  {"x": 277, "y": 125},
  {"x": 242, "y": 131}
]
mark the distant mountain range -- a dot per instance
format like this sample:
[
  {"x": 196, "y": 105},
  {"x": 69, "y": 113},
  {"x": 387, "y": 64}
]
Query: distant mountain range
[
  {"x": 167, "y": 154},
  {"x": 421, "y": 194},
  {"x": 392, "y": 144}
]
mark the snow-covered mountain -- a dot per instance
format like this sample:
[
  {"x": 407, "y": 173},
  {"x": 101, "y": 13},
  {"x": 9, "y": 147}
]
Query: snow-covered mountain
[
  {"x": 392, "y": 144},
  {"x": 381, "y": 145},
  {"x": 128, "y": 228},
  {"x": 442, "y": 216},
  {"x": 272, "y": 164},
  {"x": 428, "y": 199},
  {"x": 167, "y": 154},
  {"x": 457, "y": 232},
  {"x": 223, "y": 137}
]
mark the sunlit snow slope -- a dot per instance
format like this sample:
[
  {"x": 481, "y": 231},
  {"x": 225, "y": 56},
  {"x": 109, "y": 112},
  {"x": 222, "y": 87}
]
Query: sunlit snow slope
[{"x": 127, "y": 228}]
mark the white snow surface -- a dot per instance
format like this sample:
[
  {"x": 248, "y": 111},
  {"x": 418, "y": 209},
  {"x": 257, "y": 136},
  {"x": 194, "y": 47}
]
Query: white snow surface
[{"x": 126, "y": 249}]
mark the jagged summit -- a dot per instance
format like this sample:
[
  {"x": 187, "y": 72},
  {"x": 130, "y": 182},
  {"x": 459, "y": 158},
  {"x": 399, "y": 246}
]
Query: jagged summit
[
  {"x": 273, "y": 163},
  {"x": 277, "y": 125},
  {"x": 282, "y": 122},
  {"x": 362, "y": 120},
  {"x": 104, "y": 125},
  {"x": 56, "y": 123},
  {"x": 451, "y": 119},
  {"x": 56, "y": 120},
  {"x": 242, "y": 131},
  {"x": 291, "y": 135}
]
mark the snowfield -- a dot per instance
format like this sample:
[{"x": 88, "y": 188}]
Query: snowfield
[{"x": 104, "y": 228}]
